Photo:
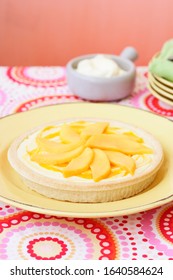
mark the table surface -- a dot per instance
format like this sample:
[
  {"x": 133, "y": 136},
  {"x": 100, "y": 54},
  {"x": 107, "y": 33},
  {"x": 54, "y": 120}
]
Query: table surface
[{"x": 33, "y": 236}]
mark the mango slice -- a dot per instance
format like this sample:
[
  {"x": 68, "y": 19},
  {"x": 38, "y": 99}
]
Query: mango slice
[
  {"x": 121, "y": 160},
  {"x": 79, "y": 125},
  {"x": 49, "y": 132},
  {"x": 68, "y": 134},
  {"x": 79, "y": 164},
  {"x": 57, "y": 168},
  {"x": 53, "y": 159},
  {"x": 100, "y": 166},
  {"x": 56, "y": 147},
  {"x": 115, "y": 171},
  {"x": 86, "y": 174},
  {"x": 133, "y": 136},
  {"x": 117, "y": 142},
  {"x": 96, "y": 128},
  {"x": 111, "y": 130}
]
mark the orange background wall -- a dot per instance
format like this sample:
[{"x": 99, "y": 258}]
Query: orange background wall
[{"x": 50, "y": 32}]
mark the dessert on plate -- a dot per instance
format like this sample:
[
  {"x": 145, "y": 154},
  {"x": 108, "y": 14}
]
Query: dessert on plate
[{"x": 88, "y": 160}]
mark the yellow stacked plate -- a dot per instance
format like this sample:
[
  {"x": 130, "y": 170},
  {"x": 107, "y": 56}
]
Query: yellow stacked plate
[{"x": 161, "y": 88}]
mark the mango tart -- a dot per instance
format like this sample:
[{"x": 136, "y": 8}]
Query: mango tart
[{"x": 86, "y": 160}]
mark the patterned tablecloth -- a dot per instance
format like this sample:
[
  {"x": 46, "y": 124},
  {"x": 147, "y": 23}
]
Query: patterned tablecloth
[{"x": 33, "y": 236}]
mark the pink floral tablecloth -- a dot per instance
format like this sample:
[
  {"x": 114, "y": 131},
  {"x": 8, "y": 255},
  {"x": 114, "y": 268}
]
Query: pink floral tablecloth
[{"x": 33, "y": 236}]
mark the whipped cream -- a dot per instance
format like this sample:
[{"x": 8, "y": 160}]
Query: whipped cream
[{"x": 99, "y": 66}]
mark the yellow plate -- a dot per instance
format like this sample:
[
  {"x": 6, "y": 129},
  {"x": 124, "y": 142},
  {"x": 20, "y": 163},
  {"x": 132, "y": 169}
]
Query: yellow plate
[{"x": 13, "y": 191}]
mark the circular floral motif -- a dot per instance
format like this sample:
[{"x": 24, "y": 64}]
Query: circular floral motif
[
  {"x": 165, "y": 224},
  {"x": 22, "y": 104},
  {"x": 144, "y": 100},
  {"x": 44, "y": 101},
  {"x": 145, "y": 235},
  {"x": 27, "y": 235},
  {"x": 38, "y": 247},
  {"x": 158, "y": 230},
  {"x": 38, "y": 76},
  {"x": 158, "y": 106}
]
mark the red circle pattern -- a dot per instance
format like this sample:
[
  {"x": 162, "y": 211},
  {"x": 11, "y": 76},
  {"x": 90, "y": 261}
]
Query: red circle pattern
[
  {"x": 95, "y": 228},
  {"x": 30, "y": 248},
  {"x": 17, "y": 75},
  {"x": 165, "y": 224}
]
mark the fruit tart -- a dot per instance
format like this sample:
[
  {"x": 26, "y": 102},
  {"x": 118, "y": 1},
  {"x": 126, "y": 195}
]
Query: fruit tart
[{"x": 86, "y": 160}]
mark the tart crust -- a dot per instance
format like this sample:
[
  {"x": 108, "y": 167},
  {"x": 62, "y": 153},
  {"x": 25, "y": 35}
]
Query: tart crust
[{"x": 77, "y": 190}]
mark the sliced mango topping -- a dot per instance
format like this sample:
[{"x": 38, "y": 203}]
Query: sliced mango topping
[
  {"x": 56, "y": 147},
  {"x": 96, "y": 128},
  {"x": 58, "y": 158},
  {"x": 93, "y": 151},
  {"x": 79, "y": 164},
  {"x": 121, "y": 160},
  {"x": 133, "y": 136},
  {"x": 50, "y": 132},
  {"x": 100, "y": 167},
  {"x": 68, "y": 134},
  {"x": 117, "y": 142}
]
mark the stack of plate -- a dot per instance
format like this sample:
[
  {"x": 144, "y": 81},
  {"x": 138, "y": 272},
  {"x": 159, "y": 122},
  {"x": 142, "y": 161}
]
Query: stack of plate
[{"x": 161, "y": 88}]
